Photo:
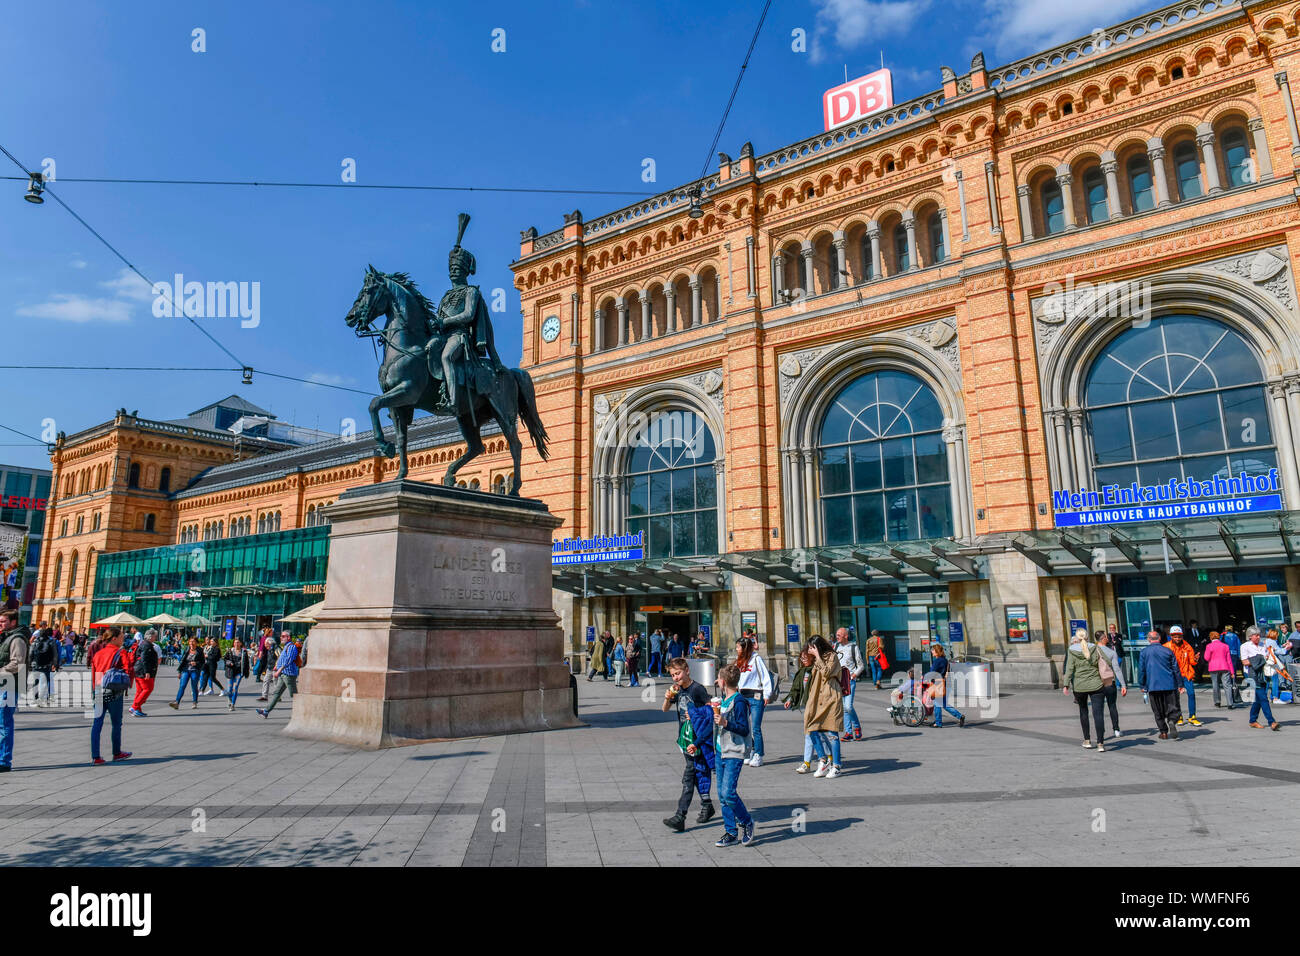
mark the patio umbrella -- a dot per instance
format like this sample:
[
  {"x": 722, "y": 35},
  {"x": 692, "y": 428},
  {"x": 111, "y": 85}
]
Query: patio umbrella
[
  {"x": 198, "y": 620},
  {"x": 120, "y": 618},
  {"x": 306, "y": 616},
  {"x": 171, "y": 620}
]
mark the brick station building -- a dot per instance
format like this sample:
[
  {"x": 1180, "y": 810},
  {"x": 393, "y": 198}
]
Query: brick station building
[{"x": 875, "y": 378}]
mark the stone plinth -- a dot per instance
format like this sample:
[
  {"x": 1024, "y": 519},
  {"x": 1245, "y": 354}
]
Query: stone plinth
[{"x": 437, "y": 620}]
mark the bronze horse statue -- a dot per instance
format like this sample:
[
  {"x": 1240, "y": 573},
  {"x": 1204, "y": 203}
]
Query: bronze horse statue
[{"x": 408, "y": 379}]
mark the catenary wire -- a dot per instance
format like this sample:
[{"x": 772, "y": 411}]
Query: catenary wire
[
  {"x": 708, "y": 157},
  {"x": 405, "y": 186}
]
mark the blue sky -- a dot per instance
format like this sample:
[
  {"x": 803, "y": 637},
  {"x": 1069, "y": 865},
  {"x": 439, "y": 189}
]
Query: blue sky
[{"x": 584, "y": 92}]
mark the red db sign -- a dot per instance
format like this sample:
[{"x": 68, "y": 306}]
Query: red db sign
[{"x": 857, "y": 98}]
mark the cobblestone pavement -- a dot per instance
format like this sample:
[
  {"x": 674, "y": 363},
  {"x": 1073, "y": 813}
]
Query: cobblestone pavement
[{"x": 211, "y": 787}]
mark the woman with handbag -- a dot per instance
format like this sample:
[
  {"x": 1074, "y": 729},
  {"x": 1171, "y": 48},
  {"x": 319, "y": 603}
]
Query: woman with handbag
[
  {"x": 189, "y": 667},
  {"x": 111, "y": 671},
  {"x": 756, "y": 687},
  {"x": 795, "y": 698},
  {"x": 237, "y": 668},
  {"x": 874, "y": 651},
  {"x": 1112, "y": 678},
  {"x": 823, "y": 714},
  {"x": 1083, "y": 678},
  {"x": 633, "y": 658}
]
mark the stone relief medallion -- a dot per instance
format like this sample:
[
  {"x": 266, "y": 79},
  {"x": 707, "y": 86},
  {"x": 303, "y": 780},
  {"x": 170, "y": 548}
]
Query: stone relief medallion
[
  {"x": 711, "y": 382},
  {"x": 790, "y": 367},
  {"x": 602, "y": 405},
  {"x": 1268, "y": 269},
  {"x": 941, "y": 338}
]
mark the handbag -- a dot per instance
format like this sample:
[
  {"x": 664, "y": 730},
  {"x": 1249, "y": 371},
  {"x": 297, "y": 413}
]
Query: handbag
[
  {"x": 115, "y": 678},
  {"x": 844, "y": 682}
]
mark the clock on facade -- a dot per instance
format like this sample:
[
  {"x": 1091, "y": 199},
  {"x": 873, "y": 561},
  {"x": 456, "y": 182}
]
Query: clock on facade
[{"x": 551, "y": 328}]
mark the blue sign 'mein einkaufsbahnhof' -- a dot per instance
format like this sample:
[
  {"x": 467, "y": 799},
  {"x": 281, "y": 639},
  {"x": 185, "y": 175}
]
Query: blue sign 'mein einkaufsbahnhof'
[
  {"x": 601, "y": 548},
  {"x": 1243, "y": 494}
]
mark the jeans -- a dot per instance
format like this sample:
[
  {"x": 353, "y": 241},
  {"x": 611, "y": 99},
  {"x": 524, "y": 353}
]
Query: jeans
[
  {"x": 850, "y": 715},
  {"x": 233, "y": 692},
  {"x": 1222, "y": 686},
  {"x": 656, "y": 663},
  {"x": 209, "y": 679},
  {"x": 1097, "y": 702},
  {"x": 110, "y": 704},
  {"x": 694, "y": 777},
  {"x": 808, "y": 747},
  {"x": 1274, "y": 686},
  {"x": 143, "y": 688},
  {"x": 632, "y": 673},
  {"x": 876, "y": 670},
  {"x": 287, "y": 682},
  {"x": 618, "y": 673},
  {"x": 733, "y": 810},
  {"x": 941, "y": 704},
  {"x": 756, "y": 723},
  {"x": 7, "y": 734},
  {"x": 1261, "y": 703},
  {"x": 191, "y": 678},
  {"x": 827, "y": 744},
  {"x": 1111, "y": 694},
  {"x": 1191, "y": 697}
]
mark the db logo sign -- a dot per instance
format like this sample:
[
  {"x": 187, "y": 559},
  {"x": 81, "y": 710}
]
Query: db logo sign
[{"x": 858, "y": 98}]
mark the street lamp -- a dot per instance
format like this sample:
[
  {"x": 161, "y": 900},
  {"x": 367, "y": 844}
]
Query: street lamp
[
  {"x": 34, "y": 188},
  {"x": 696, "y": 211}
]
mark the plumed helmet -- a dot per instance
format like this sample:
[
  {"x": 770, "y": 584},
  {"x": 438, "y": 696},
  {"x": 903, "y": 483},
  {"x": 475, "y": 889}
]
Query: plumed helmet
[{"x": 458, "y": 255}]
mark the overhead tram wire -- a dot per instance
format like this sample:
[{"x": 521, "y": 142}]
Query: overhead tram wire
[
  {"x": 717, "y": 136},
  {"x": 243, "y": 366},
  {"x": 399, "y": 186}
]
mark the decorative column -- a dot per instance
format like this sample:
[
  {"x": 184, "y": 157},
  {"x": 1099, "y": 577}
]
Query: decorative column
[
  {"x": 877, "y": 259},
  {"x": 1156, "y": 153},
  {"x": 1026, "y": 213},
  {"x": 794, "y": 497},
  {"x": 806, "y": 260},
  {"x": 1062, "y": 476},
  {"x": 995, "y": 224},
  {"x": 720, "y": 484},
  {"x": 616, "y": 505},
  {"x": 1110, "y": 168},
  {"x": 951, "y": 435},
  {"x": 961, "y": 201},
  {"x": 1263, "y": 157},
  {"x": 1205, "y": 140},
  {"x": 621, "y": 305},
  {"x": 696, "y": 316},
  {"x": 947, "y": 239},
  {"x": 1282, "y": 425},
  {"x": 670, "y": 305},
  {"x": 1065, "y": 180},
  {"x": 1285, "y": 87},
  {"x": 1080, "y": 449},
  {"x": 909, "y": 223},
  {"x": 646, "y": 317},
  {"x": 839, "y": 259},
  {"x": 1292, "y": 386},
  {"x": 598, "y": 319},
  {"x": 778, "y": 278},
  {"x": 599, "y": 505},
  {"x": 752, "y": 282},
  {"x": 807, "y": 460},
  {"x": 574, "y": 303}
]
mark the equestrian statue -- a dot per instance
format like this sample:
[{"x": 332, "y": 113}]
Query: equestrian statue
[{"x": 443, "y": 360}]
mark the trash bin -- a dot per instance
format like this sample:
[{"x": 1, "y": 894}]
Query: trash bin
[
  {"x": 970, "y": 680},
  {"x": 704, "y": 670}
]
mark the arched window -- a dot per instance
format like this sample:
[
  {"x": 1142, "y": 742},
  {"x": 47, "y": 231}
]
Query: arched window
[
  {"x": 1236, "y": 157},
  {"x": 1140, "y": 189},
  {"x": 261, "y": 524},
  {"x": 1049, "y": 194},
  {"x": 938, "y": 250},
  {"x": 58, "y": 571},
  {"x": 81, "y": 523},
  {"x": 473, "y": 485},
  {"x": 499, "y": 485},
  {"x": 277, "y": 521},
  {"x": 883, "y": 464},
  {"x": 311, "y": 516},
  {"x": 221, "y": 529},
  {"x": 868, "y": 264},
  {"x": 72, "y": 571},
  {"x": 1094, "y": 194},
  {"x": 133, "y": 477},
  {"x": 165, "y": 480},
  {"x": 94, "y": 524},
  {"x": 671, "y": 487},
  {"x": 901, "y": 255},
  {"x": 1182, "y": 397},
  {"x": 90, "y": 563},
  {"x": 1187, "y": 170},
  {"x": 63, "y": 528}
]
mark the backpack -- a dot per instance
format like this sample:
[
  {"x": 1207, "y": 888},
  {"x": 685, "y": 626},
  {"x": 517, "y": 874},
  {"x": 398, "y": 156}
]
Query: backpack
[{"x": 115, "y": 678}]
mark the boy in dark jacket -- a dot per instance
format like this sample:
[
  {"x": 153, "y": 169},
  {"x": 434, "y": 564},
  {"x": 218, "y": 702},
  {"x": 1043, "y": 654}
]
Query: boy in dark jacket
[
  {"x": 734, "y": 746},
  {"x": 695, "y": 738},
  {"x": 1159, "y": 677}
]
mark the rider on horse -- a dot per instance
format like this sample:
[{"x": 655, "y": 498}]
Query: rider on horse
[{"x": 461, "y": 327}]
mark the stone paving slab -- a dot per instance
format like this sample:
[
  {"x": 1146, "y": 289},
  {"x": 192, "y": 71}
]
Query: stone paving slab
[{"x": 1012, "y": 789}]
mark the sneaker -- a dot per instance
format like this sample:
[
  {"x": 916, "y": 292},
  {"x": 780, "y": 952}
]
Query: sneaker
[
  {"x": 846, "y": 738},
  {"x": 728, "y": 839},
  {"x": 833, "y": 772},
  {"x": 1087, "y": 745},
  {"x": 961, "y": 721},
  {"x": 707, "y": 813},
  {"x": 757, "y": 761},
  {"x": 195, "y": 706},
  {"x": 822, "y": 766},
  {"x": 1181, "y": 721},
  {"x": 174, "y": 705},
  {"x": 1193, "y": 721},
  {"x": 1101, "y": 747},
  {"x": 261, "y": 713},
  {"x": 1275, "y": 726},
  {"x": 230, "y": 705},
  {"x": 804, "y": 767},
  {"x": 1116, "y": 732},
  {"x": 135, "y": 713},
  {"x": 221, "y": 693},
  {"x": 746, "y": 834},
  {"x": 1173, "y": 730},
  {"x": 676, "y": 823},
  {"x": 857, "y": 734},
  {"x": 122, "y": 756},
  {"x": 98, "y": 760}
]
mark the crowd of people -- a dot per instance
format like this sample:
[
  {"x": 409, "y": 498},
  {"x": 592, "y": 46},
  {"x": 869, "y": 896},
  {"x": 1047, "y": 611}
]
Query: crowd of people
[
  {"x": 625, "y": 658},
  {"x": 123, "y": 665}
]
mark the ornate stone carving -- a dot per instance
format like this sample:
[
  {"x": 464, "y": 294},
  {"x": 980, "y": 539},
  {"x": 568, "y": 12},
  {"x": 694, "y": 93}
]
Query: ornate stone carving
[
  {"x": 941, "y": 338},
  {"x": 798, "y": 361},
  {"x": 711, "y": 381},
  {"x": 1268, "y": 269},
  {"x": 790, "y": 367}
]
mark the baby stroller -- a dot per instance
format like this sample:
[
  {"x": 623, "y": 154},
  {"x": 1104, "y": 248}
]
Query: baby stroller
[{"x": 916, "y": 707}]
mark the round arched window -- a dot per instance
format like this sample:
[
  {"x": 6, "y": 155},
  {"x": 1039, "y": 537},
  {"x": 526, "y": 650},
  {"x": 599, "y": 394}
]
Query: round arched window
[
  {"x": 671, "y": 488},
  {"x": 884, "y": 468},
  {"x": 1181, "y": 397}
]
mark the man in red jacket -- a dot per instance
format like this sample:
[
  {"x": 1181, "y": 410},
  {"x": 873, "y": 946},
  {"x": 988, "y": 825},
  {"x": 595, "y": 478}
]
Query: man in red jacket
[{"x": 110, "y": 657}]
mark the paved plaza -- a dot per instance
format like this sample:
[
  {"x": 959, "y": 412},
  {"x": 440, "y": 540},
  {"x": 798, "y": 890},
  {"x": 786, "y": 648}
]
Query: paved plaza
[{"x": 213, "y": 788}]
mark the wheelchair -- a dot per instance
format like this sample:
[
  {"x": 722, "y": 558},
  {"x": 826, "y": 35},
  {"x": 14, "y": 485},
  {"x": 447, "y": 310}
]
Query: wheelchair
[{"x": 914, "y": 710}]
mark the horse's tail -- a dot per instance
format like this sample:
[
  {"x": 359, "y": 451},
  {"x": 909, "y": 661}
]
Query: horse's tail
[{"x": 528, "y": 412}]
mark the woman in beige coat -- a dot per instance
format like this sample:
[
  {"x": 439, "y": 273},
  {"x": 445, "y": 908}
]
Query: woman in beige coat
[{"x": 823, "y": 713}]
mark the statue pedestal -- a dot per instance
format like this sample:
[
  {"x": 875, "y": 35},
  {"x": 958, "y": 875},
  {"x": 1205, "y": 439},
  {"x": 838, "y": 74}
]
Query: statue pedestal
[{"x": 437, "y": 621}]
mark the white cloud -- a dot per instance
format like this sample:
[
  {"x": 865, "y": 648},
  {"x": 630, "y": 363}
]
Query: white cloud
[
  {"x": 78, "y": 263},
  {"x": 328, "y": 378},
  {"x": 1023, "y": 27},
  {"x": 128, "y": 285},
  {"x": 853, "y": 22},
  {"x": 78, "y": 308}
]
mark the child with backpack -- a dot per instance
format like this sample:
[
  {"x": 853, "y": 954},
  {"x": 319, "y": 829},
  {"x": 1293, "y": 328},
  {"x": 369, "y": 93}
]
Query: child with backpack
[{"x": 733, "y": 747}]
